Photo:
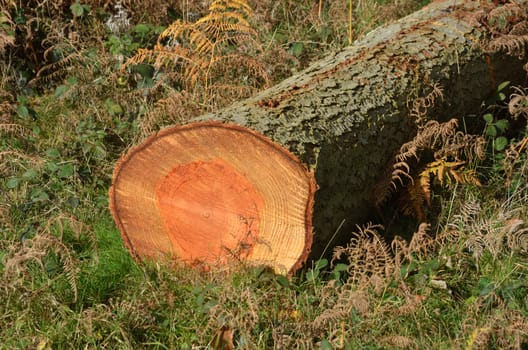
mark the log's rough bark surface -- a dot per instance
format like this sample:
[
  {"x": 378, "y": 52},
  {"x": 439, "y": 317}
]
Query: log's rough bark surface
[{"x": 347, "y": 115}]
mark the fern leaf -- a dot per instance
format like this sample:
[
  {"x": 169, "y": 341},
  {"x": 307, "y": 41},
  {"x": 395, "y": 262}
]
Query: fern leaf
[
  {"x": 215, "y": 50},
  {"x": 425, "y": 185},
  {"x": 400, "y": 169},
  {"x": 416, "y": 201},
  {"x": 444, "y": 170}
]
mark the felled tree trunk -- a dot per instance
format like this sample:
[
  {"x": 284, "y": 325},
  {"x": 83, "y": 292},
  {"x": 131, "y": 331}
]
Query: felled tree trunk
[{"x": 346, "y": 115}]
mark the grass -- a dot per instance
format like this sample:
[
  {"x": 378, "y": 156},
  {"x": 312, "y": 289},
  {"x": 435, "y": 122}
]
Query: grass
[{"x": 68, "y": 281}]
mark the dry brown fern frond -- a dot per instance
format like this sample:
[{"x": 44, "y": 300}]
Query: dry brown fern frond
[
  {"x": 501, "y": 328},
  {"x": 340, "y": 303},
  {"x": 14, "y": 130},
  {"x": 451, "y": 150},
  {"x": 513, "y": 160},
  {"x": 421, "y": 244},
  {"x": 401, "y": 170},
  {"x": 400, "y": 249},
  {"x": 56, "y": 70},
  {"x": 12, "y": 160},
  {"x": 330, "y": 316},
  {"x": 468, "y": 215},
  {"x": 61, "y": 53},
  {"x": 476, "y": 244},
  {"x": 502, "y": 19},
  {"x": 430, "y": 136},
  {"x": 58, "y": 225},
  {"x": 439, "y": 137},
  {"x": 6, "y": 25},
  {"x": 516, "y": 235},
  {"x": 220, "y": 49},
  {"x": 513, "y": 45},
  {"x": 367, "y": 255},
  {"x": 481, "y": 234},
  {"x": 447, "y": 238},
  {"x": 177, "y": 108},
  {"x": 508, "y": 28},
  {"x": 414, "y": 199},
  {"x": 421, "y": 105},
  {"x": 462, "y": 146},
  {"x": 398, "y": 342},
  {"x": 35, "y": 250},
  {"x": 5, "y": 218},
  {"x": 518, "y": 105}
]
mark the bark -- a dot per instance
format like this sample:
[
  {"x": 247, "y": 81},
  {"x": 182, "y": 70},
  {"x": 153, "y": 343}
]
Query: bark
[{"x": 347, "y": 115}]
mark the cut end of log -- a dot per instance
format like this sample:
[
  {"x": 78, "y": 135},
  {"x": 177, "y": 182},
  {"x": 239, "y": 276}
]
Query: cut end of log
[
  {"x": 212, "y": 193},
  {"x": 211, "y": 199}
]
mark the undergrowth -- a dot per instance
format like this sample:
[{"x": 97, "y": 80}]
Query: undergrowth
[{"x": 81, "y": 81}]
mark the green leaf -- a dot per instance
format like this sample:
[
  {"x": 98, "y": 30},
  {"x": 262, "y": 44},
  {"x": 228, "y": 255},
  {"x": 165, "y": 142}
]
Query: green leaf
[
  {"x": 65, "y": 170},
  {"x": 30, "y": 174},
  {"x": 39, "y": 195},
  {"x": 487, "y": 289},
  {"x": 321, "y": 264},
  {"x": 73, "y": 202},
  {"x": 470, "y": 301},
  {"x": 488, "y": 117},
  {"x": 491, "y": 130},
  {"x": 283, "y": 281},
  {"x": 142, "y": 29},
  {"x": 113, "y": 108},
  {"x": 23, "y": 112},
  {"x": 12, "y": 183},
  {"x": 296, "y": 49},
  {"x": 326, "y": 345},
  {"x": 71, "y": 81},
  {"x": 99, "y": 152},
  {"x": 53, "y": 153},
  {"x": 77, "y": 9},
  {"x": 145, "y": 70},
  {"x": 52, "y": 166},
  {"x": 341, "y": 267},
  {"x": 503, "y": 85},
  {"x": 312, "y": 275},
  {"x": 60, "y": 91},
  {"x": 501, "y": 96},
  {"x": 55, "y": 186},
  {"x": 500, "y": 143},
  {"x": 200, "y": 299},
  {"x": 502, "y": 124}
]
